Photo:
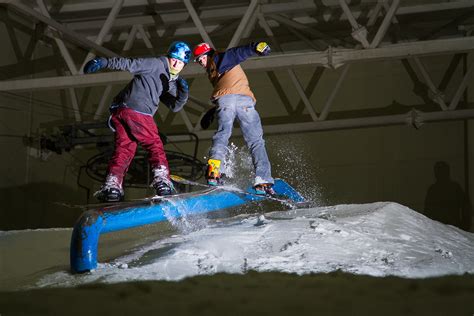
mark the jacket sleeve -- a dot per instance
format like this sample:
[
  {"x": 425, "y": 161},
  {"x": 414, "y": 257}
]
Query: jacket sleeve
[
  {"x": 132, "y": 65},
  {"x": 177, "y": 95},
  {"x": 234, "y": 56}
]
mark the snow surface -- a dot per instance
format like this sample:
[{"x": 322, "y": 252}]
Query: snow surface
[{"x": 377, "y": 239}]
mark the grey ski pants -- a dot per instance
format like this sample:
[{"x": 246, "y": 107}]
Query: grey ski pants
[{"x": 242, "y": 108}]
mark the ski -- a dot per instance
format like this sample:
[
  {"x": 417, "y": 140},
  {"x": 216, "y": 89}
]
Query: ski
[
  {"x": 289, "y": 201},
  {"x": 151, "y": 200},
  {"x": 286, "y": 195},
  {"x": 110, "y": 204}
]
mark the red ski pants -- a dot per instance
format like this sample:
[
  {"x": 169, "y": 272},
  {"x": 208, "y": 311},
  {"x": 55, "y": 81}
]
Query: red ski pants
[{"x": 133, "y": 128}]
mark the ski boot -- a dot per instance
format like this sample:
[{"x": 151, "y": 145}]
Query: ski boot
[
  {"x": 111, "y": 190},
  {"x": 163, "y": 187},
  {"x": 161, "y": 183},
  {"x": 213, "y": 174},
  {"x": 265, "y": 189}
]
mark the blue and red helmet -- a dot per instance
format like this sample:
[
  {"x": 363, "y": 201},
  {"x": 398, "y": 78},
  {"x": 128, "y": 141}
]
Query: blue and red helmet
[{"x": 180, "y": 50}]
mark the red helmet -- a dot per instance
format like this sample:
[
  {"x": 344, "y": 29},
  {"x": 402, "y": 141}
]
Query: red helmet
[{"x": 201, "y": 49}]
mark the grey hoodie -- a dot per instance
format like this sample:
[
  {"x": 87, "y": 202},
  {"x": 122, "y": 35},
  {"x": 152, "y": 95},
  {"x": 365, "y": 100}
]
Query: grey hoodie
[{"x": 151, "y": 84}]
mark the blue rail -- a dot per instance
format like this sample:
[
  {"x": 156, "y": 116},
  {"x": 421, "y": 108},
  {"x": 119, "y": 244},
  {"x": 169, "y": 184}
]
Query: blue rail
[{"x": 93, "y": 223}]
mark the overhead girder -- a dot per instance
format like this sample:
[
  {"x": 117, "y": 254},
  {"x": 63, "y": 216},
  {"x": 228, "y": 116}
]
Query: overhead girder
[
  {"x": 65, "y": 31},
  {"x": 188, "y": 31},
  {"x": 412, "y": 118},
  {"x": 71, "y": 12},
  {"x": 212, "y": 16},
  {"x": 333, "y": 57},
  {"x": 218, "y": 14}
]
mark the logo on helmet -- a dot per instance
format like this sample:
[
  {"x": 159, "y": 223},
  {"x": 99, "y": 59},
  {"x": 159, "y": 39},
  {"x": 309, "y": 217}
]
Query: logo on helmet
[{"x": 180, "y": 50}]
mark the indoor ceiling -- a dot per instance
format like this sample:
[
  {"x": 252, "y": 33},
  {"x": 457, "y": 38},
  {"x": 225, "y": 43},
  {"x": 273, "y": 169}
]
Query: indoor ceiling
[{"x": 323, "y": 33}]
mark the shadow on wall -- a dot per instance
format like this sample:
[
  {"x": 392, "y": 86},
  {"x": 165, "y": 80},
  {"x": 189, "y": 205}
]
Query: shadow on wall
[
  {"x": 446, "y": 201},
  {"x": 38, "y": 205}
]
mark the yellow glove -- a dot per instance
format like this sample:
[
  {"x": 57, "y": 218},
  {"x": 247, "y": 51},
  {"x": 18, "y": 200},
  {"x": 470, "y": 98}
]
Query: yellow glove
[{"x": 262, "y": 49}]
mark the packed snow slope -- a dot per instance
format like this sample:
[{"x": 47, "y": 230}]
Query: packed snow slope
[{"x": 378, "y": 239}]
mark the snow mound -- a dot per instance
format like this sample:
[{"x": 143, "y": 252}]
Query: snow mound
[{"x": 377, "y": 239}]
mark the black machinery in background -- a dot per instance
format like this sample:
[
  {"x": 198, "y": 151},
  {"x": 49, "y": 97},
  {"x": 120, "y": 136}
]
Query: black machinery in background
[{"x": 65, "y": 138}]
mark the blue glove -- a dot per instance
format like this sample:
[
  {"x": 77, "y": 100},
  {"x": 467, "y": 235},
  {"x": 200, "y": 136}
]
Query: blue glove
[
  {"x": 95, "y": 64},
  {"x": 182, "y": 84},
  {"x": 262, "y": 48}
]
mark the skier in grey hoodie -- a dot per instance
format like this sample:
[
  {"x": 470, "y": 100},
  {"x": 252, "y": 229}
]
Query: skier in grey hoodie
[{"x": 132, "y": 110}]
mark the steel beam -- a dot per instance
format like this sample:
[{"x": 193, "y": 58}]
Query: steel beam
[
  {"x": 304, "y": 28},
  {"x": 102, "y": 103},
  {"x": 130, "y": 38},
  {"x": 385, "y": 24},
  {"x": 411, "y": 118},
  {"x": 251, "y": 25},
  {"x": 197, "y": 22},
  {"x": 319, "y": 45},
  {"x": 145, "y": 38},
  {"x": 245, "y": 19},
  {"x": 187, "y": 121},
  {"x": 437, "y": 95},
  {"x": 69, "y": 62},
  {"x": 128, "y": 45},
  {"x": 62, "y": 48},
  {"x": 302, "y": 5},
  {"x": 327, "y": 58},
  {"x": 209, "y": 14},
  {"x": 457, "y": 96},
  {"x": 105, "y": 29},
  {"x": 374, "y": 14},
  {"x": 75, "y": 105},
  {"x": 291, "y": 72},
  {"x": 442, "y": 6},
  {"x": 332, "y": 96},
  {"x": 359, "y": 32},
  {"x": 73, "y": 36},
  {"x": 202, "y": 104}
]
